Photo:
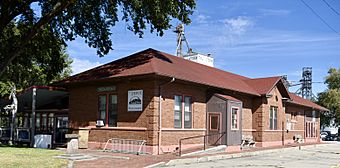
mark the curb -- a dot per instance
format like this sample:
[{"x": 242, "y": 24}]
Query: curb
[
  {"x": 160, "y": 164},
  {"x": 229, "y": 156}
]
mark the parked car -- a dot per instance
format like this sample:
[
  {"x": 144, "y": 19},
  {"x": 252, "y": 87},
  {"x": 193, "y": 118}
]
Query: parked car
[
  {"x": 323, "y": 135},
  {"x": 331, "y": 137}
]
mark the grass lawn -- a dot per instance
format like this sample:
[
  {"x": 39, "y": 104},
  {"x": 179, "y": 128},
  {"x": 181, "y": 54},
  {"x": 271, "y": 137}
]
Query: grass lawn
[{"x": 30, "y": 157}]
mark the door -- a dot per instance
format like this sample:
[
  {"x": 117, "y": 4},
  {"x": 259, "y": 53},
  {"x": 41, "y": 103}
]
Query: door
[
  {"x": 61, "y": 126},
  {"x": 214, "y": 128}
]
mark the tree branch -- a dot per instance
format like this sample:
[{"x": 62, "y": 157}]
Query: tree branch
[
  {"x": 10, "y": 12},
  {"x": 58, "y": 8}
]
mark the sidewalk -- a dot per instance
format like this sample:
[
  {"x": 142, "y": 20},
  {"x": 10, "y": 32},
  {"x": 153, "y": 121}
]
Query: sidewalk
[{"x": 107, "y": 159}]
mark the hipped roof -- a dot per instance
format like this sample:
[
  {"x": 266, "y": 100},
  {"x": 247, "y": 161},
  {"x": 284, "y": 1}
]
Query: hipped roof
[
  {"x": 151, "y": 61},
  {"x": 295, "y": 99}
]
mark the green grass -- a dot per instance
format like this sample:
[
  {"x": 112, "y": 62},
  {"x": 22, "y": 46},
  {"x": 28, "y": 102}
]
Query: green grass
[{"x": 12, "y": 157}]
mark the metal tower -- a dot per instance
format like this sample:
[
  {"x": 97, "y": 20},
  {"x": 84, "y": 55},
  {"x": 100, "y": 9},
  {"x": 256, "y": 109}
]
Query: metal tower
[
  {"x": 180, "y": 38},
  {"x": 306, "y": 84}
]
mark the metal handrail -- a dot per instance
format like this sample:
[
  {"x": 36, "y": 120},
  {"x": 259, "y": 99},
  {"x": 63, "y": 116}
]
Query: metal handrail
[{"x": 199, "y": 136}]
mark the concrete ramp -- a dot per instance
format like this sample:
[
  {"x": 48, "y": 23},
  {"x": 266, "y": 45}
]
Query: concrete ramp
[{"x": 217, "y": 149}]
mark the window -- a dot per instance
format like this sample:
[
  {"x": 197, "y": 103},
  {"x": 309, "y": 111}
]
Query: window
[
  {"x": 102, "y": 108},
  {"x": 44, "y": 122},
  {"x": 113, "y": 111},
  {"x": 181, "y": 101},
  {"x": 294, "y": 116},
  {"x": 50, "y": 121},
  {"x": 214, "y": 122},
  {"x": 234, "y": 118},
  {"x": 108, "y": 109},
  {"x": 178, "y": 112},
  {"x": 311, "y": 129},
  {"x": 37, "y": 121},
  {"x": 273, "y": 118},
  {"x": 62, "y": 122},
  {"x": 314, "y": 116},
  {"x": 187, "y": 112}
]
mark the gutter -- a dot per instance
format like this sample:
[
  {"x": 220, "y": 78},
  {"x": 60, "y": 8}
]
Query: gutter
[{"x": 160, "y": 112}]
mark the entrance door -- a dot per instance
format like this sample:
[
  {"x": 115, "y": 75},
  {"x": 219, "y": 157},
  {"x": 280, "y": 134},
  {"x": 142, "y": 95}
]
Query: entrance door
[
  {"x": 214, "y": 129},
  {"x": 61, "y": 126}
]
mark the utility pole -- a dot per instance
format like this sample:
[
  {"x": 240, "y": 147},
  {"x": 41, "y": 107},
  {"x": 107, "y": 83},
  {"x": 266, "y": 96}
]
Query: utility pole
[{"x": 34, "y": 95}]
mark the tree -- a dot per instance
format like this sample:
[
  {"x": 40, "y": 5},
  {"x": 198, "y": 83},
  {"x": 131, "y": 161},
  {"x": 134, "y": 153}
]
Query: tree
[
  {"x": 331, "y": 98},
  {"x": 40, "y": 64},
  {"x": 89, "y": 19}
]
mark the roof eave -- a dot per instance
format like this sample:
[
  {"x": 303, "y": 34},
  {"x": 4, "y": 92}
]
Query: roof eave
[{"x": 207, "y": 84}]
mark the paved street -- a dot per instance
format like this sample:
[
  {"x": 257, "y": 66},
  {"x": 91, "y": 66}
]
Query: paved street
[{"x": 316, "y": 157}]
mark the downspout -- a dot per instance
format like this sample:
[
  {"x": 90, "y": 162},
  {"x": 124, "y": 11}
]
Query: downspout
[
  {"x": 304, "y": 125},
  {"x": 160, "y": 113}
]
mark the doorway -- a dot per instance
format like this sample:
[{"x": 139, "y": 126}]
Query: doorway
[{"x": 214, "y": 128}]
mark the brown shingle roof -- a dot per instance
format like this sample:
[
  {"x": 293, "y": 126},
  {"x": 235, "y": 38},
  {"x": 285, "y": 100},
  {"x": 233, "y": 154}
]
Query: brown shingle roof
[
  {"x": 295, "y": 99},
  {"x": 227, "y": 97},
  {"x": 263, "y": 85},
  {"x": 151, "y": 61}
]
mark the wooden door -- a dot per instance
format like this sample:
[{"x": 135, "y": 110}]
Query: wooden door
[{"x": 214, "y": 128}]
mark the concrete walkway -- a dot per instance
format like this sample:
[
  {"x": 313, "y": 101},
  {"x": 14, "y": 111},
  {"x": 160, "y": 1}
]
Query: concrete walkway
[
  {"x": 321, "y": 155},
  {"x": 99, "y": 159}
]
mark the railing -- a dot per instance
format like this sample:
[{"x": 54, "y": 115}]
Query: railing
[
  {"x": 204, "y": 140},
  {"x": 126, "y": 146}
]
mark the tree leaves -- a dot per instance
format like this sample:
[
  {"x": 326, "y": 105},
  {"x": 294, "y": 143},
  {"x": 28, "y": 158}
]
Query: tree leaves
[
  {"x": 32, "y": 43},
  {"x": 89, "y": 19},
  {"x": 331, "y": 97}
]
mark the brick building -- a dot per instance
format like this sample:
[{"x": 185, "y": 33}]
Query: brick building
[{"x": 161, "y": 98}]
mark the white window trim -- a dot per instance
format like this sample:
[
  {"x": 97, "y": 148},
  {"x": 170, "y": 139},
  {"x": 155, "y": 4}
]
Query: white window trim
[{"x": 237, "y": 118}]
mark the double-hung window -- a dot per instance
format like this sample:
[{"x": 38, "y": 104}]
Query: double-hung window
[
  {"x": 234, "y": 118},
  {"x": 273, "y": 118},
  {"x": 108, "y": 109},
  {"x": 182, "y": 114},
  {"x": 187, "y": 112}
]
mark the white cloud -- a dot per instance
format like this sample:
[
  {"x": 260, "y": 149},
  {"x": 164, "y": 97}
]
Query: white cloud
[
  {"x": 202, "y": 19},
  {"x": 238, "y": 25},
  {"x": 81, "y": 65},
  {"x": 274, "y": 12}
]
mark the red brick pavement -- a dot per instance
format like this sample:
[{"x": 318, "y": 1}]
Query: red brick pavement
[{"x": 137, "y": 161}]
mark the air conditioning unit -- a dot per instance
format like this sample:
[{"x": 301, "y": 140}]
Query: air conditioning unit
[
  {"x": 42, "y": 141},
  {"x": 100, "y": 123}
]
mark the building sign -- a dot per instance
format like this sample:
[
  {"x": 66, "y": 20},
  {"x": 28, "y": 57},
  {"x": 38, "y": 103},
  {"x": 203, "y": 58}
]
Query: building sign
[
  {"x": 106, "y": 89},
  {"x": 135, "y": 100}
]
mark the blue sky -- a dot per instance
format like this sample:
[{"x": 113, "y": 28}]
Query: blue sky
[{"x": 254, "y": 38}]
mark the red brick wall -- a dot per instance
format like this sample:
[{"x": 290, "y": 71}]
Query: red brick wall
[
  {"x": 84, "y": 111},
  {"x": 170, "y": 135},
  {"x": 198, "y": 96}
]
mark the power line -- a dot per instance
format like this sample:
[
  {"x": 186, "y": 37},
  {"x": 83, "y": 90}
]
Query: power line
[
  {"x": 329, "y": 26},
  {"x": 330, "y": 7}
]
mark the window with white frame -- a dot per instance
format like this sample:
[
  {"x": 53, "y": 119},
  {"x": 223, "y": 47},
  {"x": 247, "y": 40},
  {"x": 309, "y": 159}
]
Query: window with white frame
[
  {"x": 273, "y": 118},
  {"x": 187, "y": 112},
  {"x": 182, "y": 114},
  {"x": 234, "y": 118}
]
